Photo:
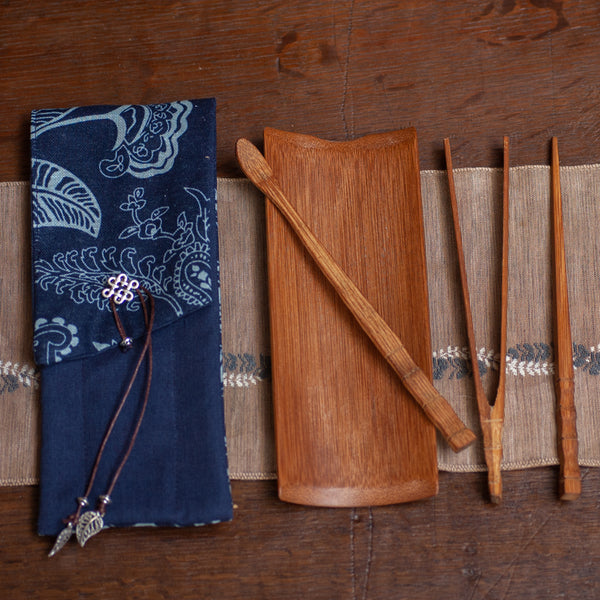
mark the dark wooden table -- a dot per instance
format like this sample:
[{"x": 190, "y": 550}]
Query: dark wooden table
[{"x": 472, "y": 71}]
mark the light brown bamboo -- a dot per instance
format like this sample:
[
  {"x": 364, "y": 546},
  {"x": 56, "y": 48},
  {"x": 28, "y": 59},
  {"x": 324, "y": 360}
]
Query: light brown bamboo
[
  {"x": 491, "y": 416},
  {"x": 497, "y": 410},
  {"x": 569, "y": 478},
  {"x": 437, "y": 408}
]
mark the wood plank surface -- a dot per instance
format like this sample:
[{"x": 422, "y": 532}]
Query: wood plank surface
[
  {"x": 470, "y": 71},
  {"x": 455, "y": 545}
]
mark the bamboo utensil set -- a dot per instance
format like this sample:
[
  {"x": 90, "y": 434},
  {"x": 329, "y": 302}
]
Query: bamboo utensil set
[
  {"x": 492, "y": 414},
  {"x": 392, "y": 349},
  {"x": 347, "y": 431}
]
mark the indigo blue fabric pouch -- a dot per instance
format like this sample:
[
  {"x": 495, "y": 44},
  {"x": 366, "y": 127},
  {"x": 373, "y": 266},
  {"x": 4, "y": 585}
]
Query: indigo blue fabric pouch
[{"x": 128, "y": 191}]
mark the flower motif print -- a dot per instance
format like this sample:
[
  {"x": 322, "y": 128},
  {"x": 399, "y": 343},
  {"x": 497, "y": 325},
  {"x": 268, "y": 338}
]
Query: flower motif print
[
  {"x": 189, "y": 243},
  {"x": 115, "y": 190},
  {"x": 186, "y": 244},
  {"x": 148, "y": 228},
  {"x": 54, "y": 339},
  {"x": 147, "y": 137}
]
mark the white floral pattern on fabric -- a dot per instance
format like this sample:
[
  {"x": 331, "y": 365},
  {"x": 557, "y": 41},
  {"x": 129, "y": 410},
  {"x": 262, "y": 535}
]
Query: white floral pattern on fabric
[
  {"x": 55, "y": 338},
  {"x": 82, "y": 274},
  {"x": 147, "y": 137},
  {"x": 62, "y": 199},
  {"x": 122, "y": 189}
]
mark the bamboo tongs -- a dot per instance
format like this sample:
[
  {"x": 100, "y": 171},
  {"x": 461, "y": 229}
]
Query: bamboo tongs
[
  {"x": 491, "y": 416},
  {"x": 570, "y": 478}
]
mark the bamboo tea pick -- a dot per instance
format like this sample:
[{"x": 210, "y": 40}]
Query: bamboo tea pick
[
  {"x": 437, "y": 408},
  {"x": 491, "y": 416},
  {"x": 570, "y": 478}
]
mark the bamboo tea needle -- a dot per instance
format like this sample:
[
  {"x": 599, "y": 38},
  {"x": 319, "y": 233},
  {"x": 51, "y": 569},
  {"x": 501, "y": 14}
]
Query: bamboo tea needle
[
  {"x": 437, "y": 408},
  {"x": 569, "y": 478},
  {"x": 491, "y": 416}
]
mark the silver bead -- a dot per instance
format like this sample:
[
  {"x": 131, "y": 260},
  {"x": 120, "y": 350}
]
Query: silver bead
[
  {"x": 126, "y": 344},
  {"x": 83, "y": 501}
]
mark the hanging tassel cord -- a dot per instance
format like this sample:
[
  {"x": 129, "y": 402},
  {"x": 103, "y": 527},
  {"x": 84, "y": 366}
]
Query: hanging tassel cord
[{"x": 146, "y": 351}]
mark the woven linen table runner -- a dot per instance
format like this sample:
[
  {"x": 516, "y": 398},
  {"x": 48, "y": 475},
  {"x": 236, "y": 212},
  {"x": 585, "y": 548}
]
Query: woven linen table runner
[{"x": 530, "y": 431}]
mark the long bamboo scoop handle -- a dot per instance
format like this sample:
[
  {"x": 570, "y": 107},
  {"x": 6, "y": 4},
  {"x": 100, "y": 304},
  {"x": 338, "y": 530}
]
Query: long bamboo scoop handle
[
  {"x": 437, "y": 409},
  {"x": 570, "y": 478}
]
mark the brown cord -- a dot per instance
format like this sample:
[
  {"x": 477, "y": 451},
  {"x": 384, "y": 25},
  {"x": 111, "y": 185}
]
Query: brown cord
[{"x": 146, "y": 350}]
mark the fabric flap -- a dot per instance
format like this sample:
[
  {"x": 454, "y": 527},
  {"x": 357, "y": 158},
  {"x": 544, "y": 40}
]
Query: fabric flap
[{"x": 120, "y": 190}]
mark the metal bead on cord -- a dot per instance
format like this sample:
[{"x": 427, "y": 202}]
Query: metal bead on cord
[{"x": 119, "y": 289}]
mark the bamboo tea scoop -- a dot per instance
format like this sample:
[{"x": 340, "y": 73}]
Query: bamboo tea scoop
[
  {"x": 437, "y": 409},
  {"x": 570, "y": 478}
]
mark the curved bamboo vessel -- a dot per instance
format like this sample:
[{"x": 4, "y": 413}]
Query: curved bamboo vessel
[{"x": 348, "y": 432}]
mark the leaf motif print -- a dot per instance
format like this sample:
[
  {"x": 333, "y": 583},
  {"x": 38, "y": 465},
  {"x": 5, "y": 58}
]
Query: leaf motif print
[
  {"x": 45, "y": 118},
  {"x": 129, "y": 231},
  {"x": 62, "y": 200}
]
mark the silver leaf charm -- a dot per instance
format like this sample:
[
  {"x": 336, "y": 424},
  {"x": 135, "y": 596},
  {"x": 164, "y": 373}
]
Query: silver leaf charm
[
  {"x": 63, "y": 537},
  {"x": 90, "y": 523}
]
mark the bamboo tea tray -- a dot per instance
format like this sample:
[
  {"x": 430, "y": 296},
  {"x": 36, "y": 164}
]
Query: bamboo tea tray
[{"x": 347, "y": 432}]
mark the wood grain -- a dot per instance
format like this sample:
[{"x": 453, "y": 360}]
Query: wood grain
[
  {"x": 334, "y": 70},
  {"x": 346, "y": 430},
  {"x": 454, "y": 545},
  {"x": 566, "y": 416}
]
